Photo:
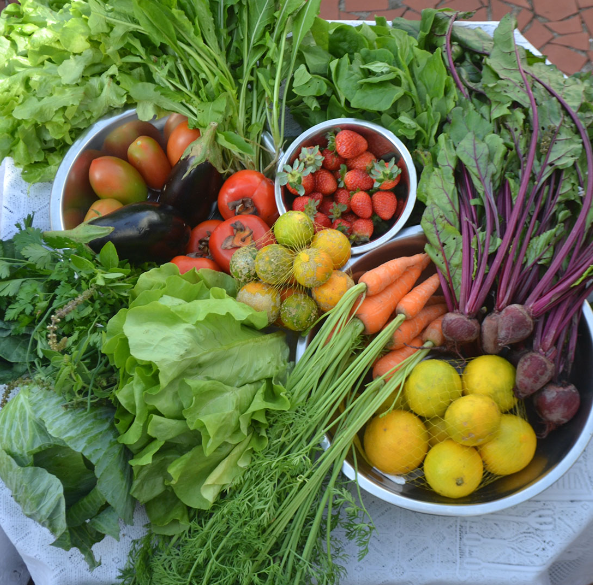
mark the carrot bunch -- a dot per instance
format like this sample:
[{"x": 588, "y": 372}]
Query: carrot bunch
[{"x": 392, "y": 291}]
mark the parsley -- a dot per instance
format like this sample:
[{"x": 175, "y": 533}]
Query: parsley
[{"x": 54, "y": 305}]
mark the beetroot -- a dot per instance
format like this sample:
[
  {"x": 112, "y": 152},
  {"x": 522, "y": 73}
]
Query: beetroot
[
  {"x": 514, "y": 325},
  {"x": 556, "y": 404},
  {"x": 489, "y": 334},
  {"x": 459, "y": 328},
  {"x": 534, "y": 371}
]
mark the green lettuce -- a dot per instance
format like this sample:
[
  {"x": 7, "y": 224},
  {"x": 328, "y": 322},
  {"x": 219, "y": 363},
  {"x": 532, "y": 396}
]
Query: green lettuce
[
  {"x": 65, "y": 468},
  {"x": 197, "y": 376}
]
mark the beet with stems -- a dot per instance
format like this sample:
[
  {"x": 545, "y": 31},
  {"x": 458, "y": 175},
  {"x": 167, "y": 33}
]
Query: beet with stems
[
  {"x": 534, "y": 370},
  {"x": 489, "y": 334},
  {"x": 556, "y": 404},
  {"x": 514, "y": 325},
  {"x": 459, "y": 328}
]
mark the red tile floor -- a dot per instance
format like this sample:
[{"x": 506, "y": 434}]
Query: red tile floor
[{"x": 560, "y": 29}]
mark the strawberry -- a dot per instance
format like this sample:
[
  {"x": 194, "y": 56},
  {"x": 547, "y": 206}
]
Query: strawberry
[
  {"x": 386, "y": 175},
  {"x": 331, "y": 160},
  {"x": 298, "y": 179},
  {"x": 326, "y": 205},
  {"x": 337, "y": 211},
  {"x": 357, "y": 179},
  {"x": 361, "y": 204},
  {"x": 300, "y": 203},
  {"x": 384, "y": 204},
  {"x": 311, "y": 158},
  {"x": 350, "y": 217},
  {"x": 325, "y": 182},
  {"x": 321, "y": 222},
  {"x": 340, "y": 174},
  {"x": 342, "y": 226},
  {"x": 316, "y": 196},
  {"x": 362, "y": 161},
  {"x": 342, "y": 196},
  {"x": 350, "y": 144},
  {"x": 362, "y": 230}
]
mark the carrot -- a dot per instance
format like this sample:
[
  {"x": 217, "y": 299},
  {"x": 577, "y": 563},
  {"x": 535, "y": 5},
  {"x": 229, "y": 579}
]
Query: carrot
[
  {"x": 382, "y": 276},
  {"x": 375, "y": 311},
  {"x": 394, "y": 358},
  {"x": 434, "y": 332},
  {"x": 435, "y": 300},
  {"x": 416, "y": 299},
  {"x": 410, "y": 329}
]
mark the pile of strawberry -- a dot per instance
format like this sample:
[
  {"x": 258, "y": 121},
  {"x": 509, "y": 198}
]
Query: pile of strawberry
[{"x": 344, "y": 186}]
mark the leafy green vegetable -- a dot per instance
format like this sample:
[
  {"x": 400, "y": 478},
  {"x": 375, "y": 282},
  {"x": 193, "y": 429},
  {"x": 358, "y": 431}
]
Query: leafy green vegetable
[
  {"x": 197, "y": 378},
  {"x": 65, "y": 468},
  {"x": 56, "y": 296}
]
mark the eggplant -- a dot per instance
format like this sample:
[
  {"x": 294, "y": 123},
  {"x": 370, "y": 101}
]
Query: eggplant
[
  {"x": 144, "y": 232},
  {"x": 194, "y": 182}
]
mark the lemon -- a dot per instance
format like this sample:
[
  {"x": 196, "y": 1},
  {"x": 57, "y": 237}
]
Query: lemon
[
  {"x": 396, "y": 443},
  {"x": 431, "y": 387},
  {"x": 335, "y": 243},
  {"x": 473, "y": 419},
  {"x": 491, "y": 375},
  {"x": 453, "y": 470},
  {"x": 512, "y": 448},
  {"x": 437, "y": 430}
]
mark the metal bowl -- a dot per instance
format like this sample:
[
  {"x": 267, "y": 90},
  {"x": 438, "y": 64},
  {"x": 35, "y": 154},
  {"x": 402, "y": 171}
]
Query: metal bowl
[
  {"x": 71, "y": 193},
  {"x": 382, "y": 141},
  {"x": 554, "y": 455}
]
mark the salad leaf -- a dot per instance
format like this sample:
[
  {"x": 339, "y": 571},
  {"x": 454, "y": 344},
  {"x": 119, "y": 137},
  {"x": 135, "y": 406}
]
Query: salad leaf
[
  {"x": 65, "y": 468},
  {"x": 197, "y": 376}
]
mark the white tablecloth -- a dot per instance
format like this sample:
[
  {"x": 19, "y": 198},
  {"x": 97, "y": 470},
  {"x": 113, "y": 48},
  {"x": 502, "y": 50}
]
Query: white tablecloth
[{"x": 546, "y": 541}]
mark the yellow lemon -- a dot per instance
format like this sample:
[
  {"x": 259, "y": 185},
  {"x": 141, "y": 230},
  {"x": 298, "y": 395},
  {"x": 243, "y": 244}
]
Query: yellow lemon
[
  {"x": 453, "y": 470},
  {"x": 512, "y": 448},
  {"x": 396, "y": 443},
  {"x": 431, "y": 387},
  {"x": 437, "y": 430},
  {"x": 330, "y": 292},
  {"x": 335, "y": 243},
  {"x": 491, "y": 375},
  {"x": 473, "y": 420}
]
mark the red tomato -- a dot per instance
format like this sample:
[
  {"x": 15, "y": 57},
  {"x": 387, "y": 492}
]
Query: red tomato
[
  {"x": 186, "y": 263},
  {"x": 179, "y": 140},
  {"x": 237, "y": 232},
  {"x": 150, "y": 160},
  {"x": 248, "y": 193},
  {"x": 172, "y": 122},
  {"x": 78, "y": 193},
  {"x": 114, "y": 178},
  {"x": 200, "y": 237}
]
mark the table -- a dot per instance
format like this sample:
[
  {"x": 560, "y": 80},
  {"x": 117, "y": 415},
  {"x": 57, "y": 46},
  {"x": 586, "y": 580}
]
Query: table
[{"x": 545, "y": 541}]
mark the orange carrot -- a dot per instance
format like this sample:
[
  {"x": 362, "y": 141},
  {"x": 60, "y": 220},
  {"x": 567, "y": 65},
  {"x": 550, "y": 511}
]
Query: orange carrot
[
  {"x": 410, "y": 329},
  {"x": 416, "y": 299},
  {"x": 434, "y": 332},
  {"x": 393, "y": 358},
  {"x": 435, "y": 300},
  {"x": 375, "y": 311},
  {"x": 382, "y": 276}
]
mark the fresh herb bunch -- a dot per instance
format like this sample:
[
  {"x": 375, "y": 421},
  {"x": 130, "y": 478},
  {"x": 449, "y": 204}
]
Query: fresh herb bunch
[
  {"x": 223, "y": 62},
  {"x": 56, "y": 297}
]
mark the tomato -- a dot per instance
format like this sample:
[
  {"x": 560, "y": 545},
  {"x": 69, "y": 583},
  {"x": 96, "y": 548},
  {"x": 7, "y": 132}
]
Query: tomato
[
  {"x": 179, "y": 140},
  {"x": 118, "y": 141},
  {"x": 173, "y": 120},
  {"x": 237, "y": 232},
  {"x": 200, "y": 237},
  {"x": 78, "y": 193},
  {"x": 113, "y": 178},
  {"x": 102, "y": 207},
  {"x": 246, "y": 193},
  {"x": 150, "y": 160},
  {"x": 186, "y": 263}
]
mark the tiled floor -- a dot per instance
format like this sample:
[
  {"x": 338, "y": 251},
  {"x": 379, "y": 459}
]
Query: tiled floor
[{"x": 561, "y": 29}]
